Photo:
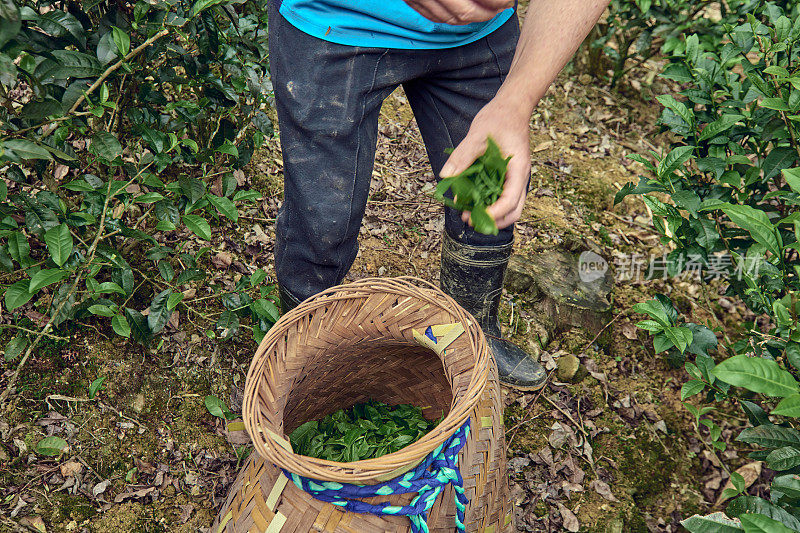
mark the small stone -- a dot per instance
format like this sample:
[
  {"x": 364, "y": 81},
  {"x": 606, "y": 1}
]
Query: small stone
[
  {"x": 568, "y": 366},
  {"x": 585, "y": 79},
  {"x": 138, "y": 403}
]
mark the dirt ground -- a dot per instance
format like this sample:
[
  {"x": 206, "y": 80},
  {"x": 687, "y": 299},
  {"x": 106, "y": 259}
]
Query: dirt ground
[{"x": 614, "y": 451}]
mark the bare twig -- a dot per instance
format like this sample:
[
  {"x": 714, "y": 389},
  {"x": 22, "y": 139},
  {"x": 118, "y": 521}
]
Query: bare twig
[
  {"x": 564, "y": 412},
  {"x": 110, "y": 70},
  {"x": 622, "y": 313},
  {"x": 26, "y": 330}
]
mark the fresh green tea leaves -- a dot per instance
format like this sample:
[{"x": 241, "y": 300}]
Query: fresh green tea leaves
[
  {"x": 52, "y": 446},
  {"x": 478, "y": 187},
  {"x": 218, "y": 408},
  {"x": 365, "y": 431}
]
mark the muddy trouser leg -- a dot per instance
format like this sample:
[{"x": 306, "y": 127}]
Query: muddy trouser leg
[
  {"x": 473, "y": 265},
  {"x": 328, "y": 99},
  {"x": 446, "y": 100}
]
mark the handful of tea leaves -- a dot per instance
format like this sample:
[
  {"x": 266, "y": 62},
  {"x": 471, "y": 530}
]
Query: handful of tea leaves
[
  {"x": 365, "y": 431},
  {"x": 478, "y": 187}
]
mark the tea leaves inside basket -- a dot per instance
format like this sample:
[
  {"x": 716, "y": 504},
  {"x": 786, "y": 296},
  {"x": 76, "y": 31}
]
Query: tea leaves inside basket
[{"x": 365, "y": 431}]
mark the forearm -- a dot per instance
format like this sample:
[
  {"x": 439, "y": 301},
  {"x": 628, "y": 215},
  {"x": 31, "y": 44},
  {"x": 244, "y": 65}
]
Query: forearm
[{"x": 551, "y": 32}]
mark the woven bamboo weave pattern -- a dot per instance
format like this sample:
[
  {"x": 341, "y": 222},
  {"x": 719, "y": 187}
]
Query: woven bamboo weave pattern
[{"x": 349, "y": 344}]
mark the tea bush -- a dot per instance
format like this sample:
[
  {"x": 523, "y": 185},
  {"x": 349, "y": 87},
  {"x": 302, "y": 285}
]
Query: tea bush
[
  {"x": 121, "y": 126},
  {"x": 733, "y": 184},
  {"x": 636, "y": 30}
]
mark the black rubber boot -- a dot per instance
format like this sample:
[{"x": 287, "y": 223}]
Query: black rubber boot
[
  {"x": 288, "y": 301},
  {"x": 473, "y": 277}
]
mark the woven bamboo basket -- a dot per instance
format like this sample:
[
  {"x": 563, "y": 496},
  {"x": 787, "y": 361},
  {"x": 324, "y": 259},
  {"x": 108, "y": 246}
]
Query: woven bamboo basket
[{"x": 361, "y": 341}]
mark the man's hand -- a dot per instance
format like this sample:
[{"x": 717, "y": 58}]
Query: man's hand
[
  {"x": 508, "y": 124},
  {"x": 550, "y": 35},
  {"x": 459, "y": 11}
]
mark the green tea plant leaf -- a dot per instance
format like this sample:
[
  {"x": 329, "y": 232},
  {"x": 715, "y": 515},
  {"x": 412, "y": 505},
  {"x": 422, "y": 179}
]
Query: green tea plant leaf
[
  {"x": 719, "y": 126},
  {"x": 217, "y": 408},
  {"x": 106, "y": 145},
  {"x": 159, "y": 312},
  {"x": 792, "y": 177},
  {"x": 18, "y": 295},
  {"x": 198, "y": 225},
  {"x": 757, "y": 375},
  {"x": 73, "y": 64},
  {"x": 758, "y": 523},
  {"x": 122, "y": 40},
  {"x": 756, "y": 223},
  {"x": 121, "y": 326},
  {"x": 62, "y": 24},
  {"x": 45, "y": 277},
  {"x": 265, "y": 308},
  {"x": 681, "y": 337},
  {"x": 15, "y": 347},
  {"x": 679, "y": 108},
  {"x": 770, "y": 436},
  {"x": 713, "y": 523},
  {"x": 753, "y": 504},
  {"x": 674, "y": 160},
  {"x": 21, "y": 149},
  {"x": 173, "y": 300},
  {"x": 59, "y": 243},
  {"x": 692, "y": 387},
  {"x": 19, "y": 248},
  {"x": 139, "y": 328},
  {"x": 52, "y": 446},
  {"x": 364, "y": 431},
  {"x": 95, "y": 386},
  {"x": 477, "y": 187},
  {"x": 224, "y": 206},
  {"x": 789, "y": 406},
  {"x": 788, "y": 484},
  {"x": 784, "y": 458}
]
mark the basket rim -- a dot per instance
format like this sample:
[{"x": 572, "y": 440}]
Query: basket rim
[{"x": 366, "y": 471}]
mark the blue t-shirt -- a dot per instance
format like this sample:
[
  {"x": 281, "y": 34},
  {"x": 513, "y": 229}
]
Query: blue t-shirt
[{"x": 381, "y": 24}]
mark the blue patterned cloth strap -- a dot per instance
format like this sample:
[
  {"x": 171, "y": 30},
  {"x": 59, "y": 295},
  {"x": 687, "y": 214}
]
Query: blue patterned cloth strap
[{"x": 439, "y": 469}]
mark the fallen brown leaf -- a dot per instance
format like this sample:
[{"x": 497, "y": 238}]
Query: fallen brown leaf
[
  {"x": 135, "y": 494},
  {"x": 70, "y": 468},
  {"x": 750, "y": 472},
  {"x": 60, "y": 172},
  {"x": 186, "y": 513},
  {"x": 34, "y": 522},
  {"x": 602, "y": 488},
  {"x": 222, "y": 260},
  {"x": 570, "y": 520},
  {"x": 629, "y": 330},
  {"x": 100, "y": 488}
]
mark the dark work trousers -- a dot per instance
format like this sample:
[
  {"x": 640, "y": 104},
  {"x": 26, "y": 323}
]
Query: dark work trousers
[{"x": 328, "y": 99}]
